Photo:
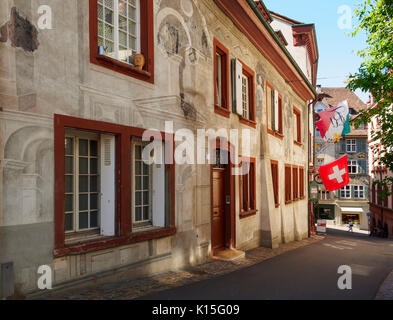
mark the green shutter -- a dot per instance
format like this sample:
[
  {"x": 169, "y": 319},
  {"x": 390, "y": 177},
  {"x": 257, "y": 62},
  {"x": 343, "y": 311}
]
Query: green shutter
[
  {"x": 362, "y": 166},
  {"x": 342, "y": 146},
  {"x": 352, "y": 192},
  {"x": 367, "y": 191}
]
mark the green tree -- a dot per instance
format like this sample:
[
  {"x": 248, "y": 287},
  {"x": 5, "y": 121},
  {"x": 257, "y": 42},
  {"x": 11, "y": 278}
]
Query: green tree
[{"x": 375, "y": 75}]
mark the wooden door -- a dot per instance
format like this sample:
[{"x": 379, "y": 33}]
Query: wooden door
[{"x": 218, "y": 214}]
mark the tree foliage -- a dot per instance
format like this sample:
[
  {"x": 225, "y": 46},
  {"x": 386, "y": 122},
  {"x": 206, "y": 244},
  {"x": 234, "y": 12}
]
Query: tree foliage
[{"x": 375, "y": 75}]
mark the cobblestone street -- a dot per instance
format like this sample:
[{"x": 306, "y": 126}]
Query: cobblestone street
[{"x": 132, "y": 289}]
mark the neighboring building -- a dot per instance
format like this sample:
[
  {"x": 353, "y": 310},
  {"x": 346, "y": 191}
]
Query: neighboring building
[
  {"x": 74, "y": 192},
  {"x": 381, "y": 209},
  {"x": 351, "y": 202}
]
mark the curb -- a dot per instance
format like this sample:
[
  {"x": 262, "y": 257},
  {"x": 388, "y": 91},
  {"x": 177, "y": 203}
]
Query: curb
[{"x": 386, "y": 290}]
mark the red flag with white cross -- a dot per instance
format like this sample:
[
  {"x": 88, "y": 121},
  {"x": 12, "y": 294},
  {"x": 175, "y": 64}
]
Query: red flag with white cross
[{"x": 335, "y": 175}]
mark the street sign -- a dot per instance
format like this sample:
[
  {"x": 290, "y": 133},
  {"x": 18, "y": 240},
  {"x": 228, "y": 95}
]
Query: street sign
[{"x": 321, "y": 226}]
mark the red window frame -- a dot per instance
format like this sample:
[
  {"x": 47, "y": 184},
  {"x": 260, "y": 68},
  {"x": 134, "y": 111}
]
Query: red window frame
[
  {"x": 288, "y": 184},
  {"x": 123, "y": 186},
  {"x": 301, "y": 183},
  {"x": 250, "y": 74},
  {"x": 275, "y": 180},
  {"x": 224, "y": 53},
  {"x": 279, "y": 133},
  {"x": 295, "y": 183},
  {"x": 297, "y": 113},
  {"x": 250, "y": 178},
  {"x": 147, "y": 44}
]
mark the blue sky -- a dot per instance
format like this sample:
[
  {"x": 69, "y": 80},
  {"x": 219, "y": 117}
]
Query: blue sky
[{"x": 337, "y": 50}]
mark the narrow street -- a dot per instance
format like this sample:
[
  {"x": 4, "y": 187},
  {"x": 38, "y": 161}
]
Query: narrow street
[{"x": 306, "y": 273}]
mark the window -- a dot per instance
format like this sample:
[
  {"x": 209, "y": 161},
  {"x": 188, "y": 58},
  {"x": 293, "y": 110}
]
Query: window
[
  {"x": 247, "y": 90},
  {"x": 373, "y": 194},
  {"x": 297, "y": 134},
  {"x": 288, "y": 184},
  {"x": 81, "y": 182},
  {"x": 345, "y": 192},
  {"x": 120, "y": 29},
  {"x": 301, "y": 183},
  {"x": 274, "y": 167},
  {"x": 142, "y": 186},
  {"x": 103, "y": 190},
  {"x": 221, "y": 69},
  {"x": 325, "y": 195},
  {"x": 351, "y": 145},
  {"x": 358, "y": 192},
  {"x": 353, "y": 166},
  {"x": 247, "y": 189},
  {"x": 245, "y": 97},
  {"x": 274, "y": 111},
  {"x": 295, "y": 182}
]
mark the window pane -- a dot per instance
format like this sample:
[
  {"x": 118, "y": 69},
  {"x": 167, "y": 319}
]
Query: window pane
[
  {"x": 138, "y": 183},
  {"x": 108, "y": 32},
  {"x": 83, "y": 202},
  {"x": 69, "y": 165},
  {"x": 93, "y": 201},
  {"x": 94, "y": 219},
  {"x": 69, "y": 222},
  {"x": 145, "y": 213},
  {"x": 109, "y": 3},
  {"x": 138, "y": 214},
  {"x": 145, "y": 169},
  {"x": 109, "y": 16},
  {"x": 138, "y": 152},
  {"x": 69, "y": 184},
  {"x": 146, "y": 198},
  {"x": 123, "y": 24},
  {"x": 123, "y": 7},
  {"x": 83, "y": 147},
  {"x": 138, "y": 167},
  {"x": 123, "y": 39},
  {"x": 83, "y": 220},
  {"x": 138, "y": 198},
  {"x": 69, "y": 146},
  {"x": 83, "y": 165},
  {"x": 145, "y": 183},
  {"x": 83, "y": 183},
  {"x": 93, "y": 184},
  {"x": 93, "y": 148},
  {"x": 69, "y": 203},
  {"x": 100, "y": 12},
  {"x": 93, "y": 166}
]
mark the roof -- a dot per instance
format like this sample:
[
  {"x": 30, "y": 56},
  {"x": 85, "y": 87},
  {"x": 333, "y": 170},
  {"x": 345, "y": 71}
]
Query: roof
[
  {"x": 341, "y": 94},
  {"x": 281, "y": 17}
]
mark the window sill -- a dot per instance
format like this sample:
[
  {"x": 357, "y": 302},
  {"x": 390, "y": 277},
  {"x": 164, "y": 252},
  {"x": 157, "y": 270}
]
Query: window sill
[
  {"x": 222, "y": 111},
  {"x": 288, "y": 202},
  {"x": 277, "y": 205},
  {"x": 122, "y": 67},
  {"x": 247, "y": 214},
  {"x": 248, "y": 122},
  {"x": 275, "y": 134},
  {"x": 111, "y": 242},
  {"x": 299, "y": 144}
]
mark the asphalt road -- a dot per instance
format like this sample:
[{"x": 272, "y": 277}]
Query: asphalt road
[{"x": 306, "y": 273}]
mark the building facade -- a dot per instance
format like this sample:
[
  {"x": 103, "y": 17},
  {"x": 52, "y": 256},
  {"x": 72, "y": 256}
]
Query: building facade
[
  {"x": 76, "y": 101},
  {"x": 381, "y": 208},
  {"x": 350, "y": 203}
]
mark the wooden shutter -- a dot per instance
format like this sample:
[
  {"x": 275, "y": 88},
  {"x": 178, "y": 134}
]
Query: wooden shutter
[
  {"x": 274, "y": 167},
  {"x": 107, "y": 185},
  {"x": 239, "y": 79}
]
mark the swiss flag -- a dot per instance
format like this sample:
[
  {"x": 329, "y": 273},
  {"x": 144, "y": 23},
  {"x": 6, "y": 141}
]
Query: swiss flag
[{"x": 335, "y": 175}]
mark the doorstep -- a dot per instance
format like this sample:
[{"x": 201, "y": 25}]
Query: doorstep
[{"x": 228, "y": 254}]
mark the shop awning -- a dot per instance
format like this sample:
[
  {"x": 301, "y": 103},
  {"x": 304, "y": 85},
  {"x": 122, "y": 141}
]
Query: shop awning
[{"x": 352, "y": 210}]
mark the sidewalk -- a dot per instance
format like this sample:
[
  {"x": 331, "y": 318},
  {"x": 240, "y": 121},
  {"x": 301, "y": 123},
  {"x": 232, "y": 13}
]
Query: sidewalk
[
  {"x": 132, "y": 289},
  {"x": 345, "y": 228},
  {"x": 386, "y": 290}
]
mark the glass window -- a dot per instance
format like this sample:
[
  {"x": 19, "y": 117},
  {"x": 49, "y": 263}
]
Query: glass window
[
  {"x": 81, "y": 183},
  {"x": 118, "y": 29},
  {"x": 353, "y": 166},
  {"x": 345, "y": 192},
  {"x": 351, "y": 145},
  {"x": 358, "y": 192},
  {"x": 245, "y": 97}
]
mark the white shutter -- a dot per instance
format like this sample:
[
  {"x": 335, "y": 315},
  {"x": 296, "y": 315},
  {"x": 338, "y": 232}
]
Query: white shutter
[
  {"x": 276, "y": 125},
  {"x": 107, "y": 185},
  {"x": 158, "y": 197},
  {"x": 239, "y": 79}
]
